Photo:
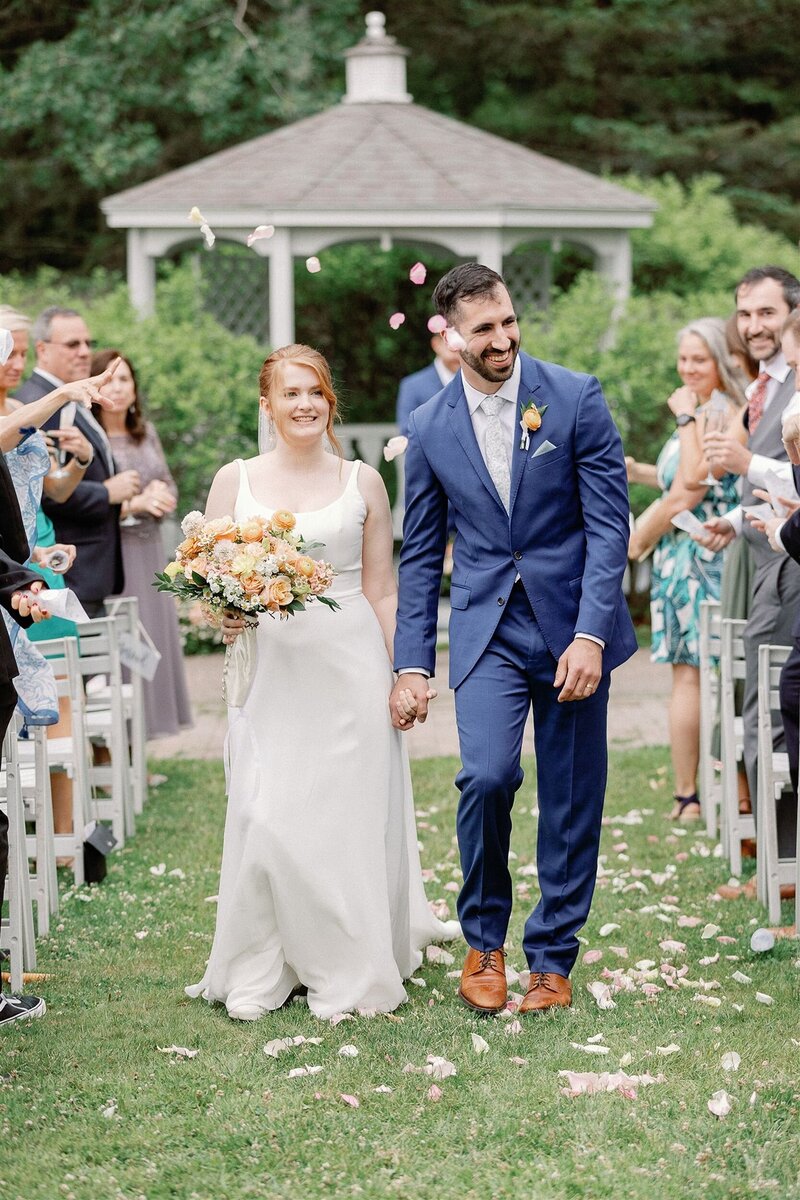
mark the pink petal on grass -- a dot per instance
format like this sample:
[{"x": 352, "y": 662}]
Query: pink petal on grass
[
  {"x": 313, "y": 265},
  {"x": 434, "y": 1092},
  {"x": 418, "y": 273},
  {"x": 397, "y": 319},
  {"x": 437, "y": 324},
  {"x": 592, "y": 956},
  {"x": 720, "y": 1103},
  {"x": 260, "y": 232},
  {"x": 670, "y": 946},
  {"x": 351, "y": 1100}
]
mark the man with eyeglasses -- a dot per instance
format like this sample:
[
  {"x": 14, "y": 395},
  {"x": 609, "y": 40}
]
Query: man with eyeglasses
[{"x": 89, "y": 519}]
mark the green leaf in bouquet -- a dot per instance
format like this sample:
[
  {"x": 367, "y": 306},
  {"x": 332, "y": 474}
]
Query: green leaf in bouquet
[{"x": 329, "y": 603}]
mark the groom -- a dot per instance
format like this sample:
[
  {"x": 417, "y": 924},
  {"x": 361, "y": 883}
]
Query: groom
[{"x": 529, "y": 460}]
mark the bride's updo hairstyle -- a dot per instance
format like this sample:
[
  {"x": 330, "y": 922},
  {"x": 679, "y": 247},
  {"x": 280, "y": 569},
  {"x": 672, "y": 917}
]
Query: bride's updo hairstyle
[{"x": 270, "y": 380}]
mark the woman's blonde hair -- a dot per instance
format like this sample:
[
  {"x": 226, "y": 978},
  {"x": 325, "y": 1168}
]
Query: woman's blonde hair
[
  {"x": 13, "y": 320},
  {"x": 711, "y": 330},
  {"x": 270, "y": 379}
]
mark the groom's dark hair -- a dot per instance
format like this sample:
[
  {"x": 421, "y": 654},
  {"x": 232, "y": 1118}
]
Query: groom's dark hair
[{"x": 464, "y": 282}]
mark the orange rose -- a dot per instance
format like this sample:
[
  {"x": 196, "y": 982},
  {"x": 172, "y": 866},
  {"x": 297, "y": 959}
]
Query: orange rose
[
  {"x": 198, "y": 566},
  {"x": 252, "y": 584},
  {"x": 222, "y": 530},
  {"x": 189, "y": 547},
  {"x": 252, "y": 530},
  {"x": 532, "y": 418},
  {"x": 282, "y": 519},
  {"x": 305, "y": 566},
  {"x": 279, "y": 592}
]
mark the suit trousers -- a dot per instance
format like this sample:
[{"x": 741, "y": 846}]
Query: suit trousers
[
  {"x": 492, "y": 704},
  {"x": 775, "y": 601},
  {"x": 8, "y": 702}
]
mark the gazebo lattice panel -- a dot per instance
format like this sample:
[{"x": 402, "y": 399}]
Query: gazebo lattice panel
[
  {"x": 237, "y": 291},
  {"x": 529, "y": 278}
]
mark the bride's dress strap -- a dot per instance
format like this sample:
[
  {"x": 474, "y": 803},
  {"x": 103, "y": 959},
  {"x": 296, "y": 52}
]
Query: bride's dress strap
[
  {"x": 351, "y": 485},
  {"x": 245, "y": 494}
]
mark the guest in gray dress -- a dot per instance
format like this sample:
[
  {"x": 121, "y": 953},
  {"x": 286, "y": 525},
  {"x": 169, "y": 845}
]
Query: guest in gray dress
[{"x": 136, "y": 446}]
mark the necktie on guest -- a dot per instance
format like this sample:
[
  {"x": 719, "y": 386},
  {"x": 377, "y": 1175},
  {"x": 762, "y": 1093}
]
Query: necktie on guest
[
  {"x": 755, "y": 405},
  {"x": 496, "y": 448}
]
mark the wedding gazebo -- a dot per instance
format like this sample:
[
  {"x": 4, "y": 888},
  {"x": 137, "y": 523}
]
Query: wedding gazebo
[{"x": 377, "y": 167}]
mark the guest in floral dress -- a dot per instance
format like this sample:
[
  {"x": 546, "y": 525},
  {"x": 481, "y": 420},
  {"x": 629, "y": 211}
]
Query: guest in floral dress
[
  {"x": 136, "y": 446},
  {"x": 684, "y": 574}
]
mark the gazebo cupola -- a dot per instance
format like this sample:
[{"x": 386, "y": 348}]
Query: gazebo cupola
[{"x": 377, "y": 167}]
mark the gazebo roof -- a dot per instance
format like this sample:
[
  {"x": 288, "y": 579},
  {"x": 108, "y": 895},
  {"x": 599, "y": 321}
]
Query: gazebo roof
[{"x": 372, "y": 157}]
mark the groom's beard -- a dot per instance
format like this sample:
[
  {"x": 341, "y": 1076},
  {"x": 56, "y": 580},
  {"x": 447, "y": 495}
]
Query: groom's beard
[{"x": 487, "y": 370}]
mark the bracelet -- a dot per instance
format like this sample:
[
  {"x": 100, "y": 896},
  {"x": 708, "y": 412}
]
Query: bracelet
[{"x": 83, "y": 466}]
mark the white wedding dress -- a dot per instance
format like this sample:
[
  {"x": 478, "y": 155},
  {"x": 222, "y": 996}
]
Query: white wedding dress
[{"x": 320, "y": 883}]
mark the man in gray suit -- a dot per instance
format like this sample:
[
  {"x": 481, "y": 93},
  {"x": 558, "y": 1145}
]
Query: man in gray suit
[{"x": 764, "y": 299}]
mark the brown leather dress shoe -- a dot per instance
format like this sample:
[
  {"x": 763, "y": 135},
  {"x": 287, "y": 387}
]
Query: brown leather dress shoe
[
  {"x": 483, "y": 981},
  {"x": 546, "y": 990}
]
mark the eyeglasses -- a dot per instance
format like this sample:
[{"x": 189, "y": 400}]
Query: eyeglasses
[{"x": 74, "y": 343}]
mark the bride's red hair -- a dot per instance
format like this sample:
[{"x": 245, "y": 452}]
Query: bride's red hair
[{"x": 270, "y": 379}]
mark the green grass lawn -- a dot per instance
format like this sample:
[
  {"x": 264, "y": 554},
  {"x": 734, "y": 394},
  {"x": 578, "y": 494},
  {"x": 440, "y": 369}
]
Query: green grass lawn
[{"x": 92, "y": 1110}]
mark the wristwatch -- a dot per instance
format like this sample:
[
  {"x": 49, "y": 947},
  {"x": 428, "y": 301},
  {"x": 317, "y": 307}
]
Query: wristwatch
[{"x": 684, "y": 419}]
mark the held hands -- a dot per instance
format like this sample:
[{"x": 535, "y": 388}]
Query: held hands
[
  {"x": 409, "y": 699},
  {"x": 579, "y": 670},
  {"x": 156, "y": 500},
  {"x": 26, "y": 606}
]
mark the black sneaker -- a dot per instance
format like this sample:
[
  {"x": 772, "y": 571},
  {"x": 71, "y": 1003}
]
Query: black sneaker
[{"x": 20, "y": 1008}]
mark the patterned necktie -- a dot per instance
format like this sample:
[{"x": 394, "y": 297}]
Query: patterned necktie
[
  {"x": 496, "y": 448},
  {"x": 755, "y": 405}
]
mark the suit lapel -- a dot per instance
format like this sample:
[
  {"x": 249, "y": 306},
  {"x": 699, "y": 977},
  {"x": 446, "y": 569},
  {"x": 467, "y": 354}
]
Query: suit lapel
[
  {"x": 461, "y": 425},
  {"x": 529, "y": 386}
]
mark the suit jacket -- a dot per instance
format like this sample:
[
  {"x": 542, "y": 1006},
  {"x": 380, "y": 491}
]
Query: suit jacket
[
  {"x": 766, "y": 440},
  {"x": 413, "y": 391},
  {"x": 13, "y": 576},
  {"x": 566, "y": 534},
  {"x": 87, "y": 520}
]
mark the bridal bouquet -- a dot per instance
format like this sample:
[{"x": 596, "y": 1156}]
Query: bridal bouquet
[{"x": 256, "y": 566}]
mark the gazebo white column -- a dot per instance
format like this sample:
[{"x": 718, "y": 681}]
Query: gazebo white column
[
  {"x": 281, "y": 289},
  {"x": 614, "y": 261},
  {"x": 141, "y": 274}
]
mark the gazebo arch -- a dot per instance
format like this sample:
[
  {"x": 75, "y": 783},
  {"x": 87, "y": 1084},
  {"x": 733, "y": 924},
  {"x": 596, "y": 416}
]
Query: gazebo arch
[{"x": 377, "y": 167}]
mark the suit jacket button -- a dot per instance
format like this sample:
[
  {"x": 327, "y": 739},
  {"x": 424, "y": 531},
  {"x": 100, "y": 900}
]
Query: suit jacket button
[
  {"x": 517, "y": 555},
  {"x": 500, "y": 600}
]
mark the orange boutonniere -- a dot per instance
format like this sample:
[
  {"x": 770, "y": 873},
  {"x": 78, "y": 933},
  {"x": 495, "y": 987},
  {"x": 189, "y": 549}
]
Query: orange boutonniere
[{"x": 529, "y": 422}]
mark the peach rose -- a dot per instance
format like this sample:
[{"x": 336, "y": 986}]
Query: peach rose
[
  {"x": 279, "y": 592},
  {"x": 189, "y": 547},
  {"x": 282, "y": 519},
  {"x": 252, "y": 584},
  {"x": 305, "y": 566},
  {"x": 252, "y": 530},
  {"x": 532, "y": 419},
  {"x": 197, "y": 566},
  {"x": 222, "y": 530}
]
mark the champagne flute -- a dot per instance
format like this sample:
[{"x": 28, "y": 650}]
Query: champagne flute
[{"x": 717, "y": 415}]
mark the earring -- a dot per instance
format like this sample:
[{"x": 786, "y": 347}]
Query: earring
[{"x": 132, "y": 407}]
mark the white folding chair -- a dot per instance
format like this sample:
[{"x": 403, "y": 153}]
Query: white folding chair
[
  {"x": 773, "y": 778},
  {"x": 125, "y": 609},
  {"x": 70, "y": 754},
  {"x": 105, "y": 724},
  {"x": 736, "y": 826},
  {"x": 16, "y": 931},
  {"x": 710, "y": 782},
  {"x": 37, "y": 802}
]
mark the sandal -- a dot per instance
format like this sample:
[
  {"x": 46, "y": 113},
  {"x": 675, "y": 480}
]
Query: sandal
[{"x": 686, "y": 808}]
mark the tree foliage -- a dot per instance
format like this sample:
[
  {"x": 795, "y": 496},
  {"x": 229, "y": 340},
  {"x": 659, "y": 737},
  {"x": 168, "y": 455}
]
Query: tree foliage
[{"x": 102, "y": 94}]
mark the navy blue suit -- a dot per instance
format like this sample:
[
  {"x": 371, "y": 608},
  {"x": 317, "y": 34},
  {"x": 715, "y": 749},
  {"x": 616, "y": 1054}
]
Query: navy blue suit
[
  {"x": 415, "y": 390},
  {"x": 566, "y": 537}
]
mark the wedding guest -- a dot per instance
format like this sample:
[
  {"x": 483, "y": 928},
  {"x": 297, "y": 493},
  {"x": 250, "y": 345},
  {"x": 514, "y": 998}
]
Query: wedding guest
[
  {"x": 684, "y": 573},
  {"x": 765, "y": 296},
  {"x": 89, "y": 519},
  {"x": 423, "y": 385},
  {"x": 743, "y": 360},
  {"x": 137, "y": 450},
  {"x": 321, "y": 886}
]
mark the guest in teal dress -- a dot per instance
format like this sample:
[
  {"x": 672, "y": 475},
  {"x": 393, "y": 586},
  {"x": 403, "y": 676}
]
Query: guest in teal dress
[{"x": 684, "y": 574}]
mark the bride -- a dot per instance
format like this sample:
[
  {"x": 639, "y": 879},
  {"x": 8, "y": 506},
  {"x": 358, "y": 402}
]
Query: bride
[{"x": 320, "y": 887}]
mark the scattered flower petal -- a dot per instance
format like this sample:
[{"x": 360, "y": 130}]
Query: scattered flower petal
[
  {"x": 589, "y": 1083},
  {"x": 602, "y": 994},
  {"x": 517, "y": 1061},
  {"x": 669, "y": 946},
  {"x": 712, "y": 1001},
  {"x": 348, "y": 1052},
  {"x": 434, "y": 1093},
  {"x": 393, "y": 448},
  {"x": 479, "y": 1044},
  {"x": 141, "y": 934},
  {"x": 720, "y": 1104},
  {"x": 590, "y": 1049},
  {"x": 383, "y": 1090},
  {"x": 438, "y": 1067},
  {"x": 313, "y": 265},
  {"x": 709, "y": 931},
  {"x": 730, "y": 1061},
  {"x": 454, "y": 339},
  {"x": 337, "y": 1018},
  {"x": 665, "y": 1051},
  {"x": 260, "y": 231},
  {"x": 418, "y": 273},
  {"x": 763, "y": 998},
  {"x": 437, "y": 324},
  {"x": 351, "y": 1100},
  {"x": 592, "y": 956},
  {"x": 396, "y": 320},
  {"x": 740, "y": 977},
  {"x": 297, "y": 1072},
  {"x": 159, "y": 870},
  {"x": 179, "y": 1051},
  {"x": 109, "y": 1111},
  {"x": 609, "y": 928},
  {"x": 514, "y": 1028}
]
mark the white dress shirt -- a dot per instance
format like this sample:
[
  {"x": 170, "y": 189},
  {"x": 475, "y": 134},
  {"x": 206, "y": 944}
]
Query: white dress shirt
[
  {"x": 444, "y": 373},
  {"x": 509, "y": 418},
  {"x": 777, "y": 368}
]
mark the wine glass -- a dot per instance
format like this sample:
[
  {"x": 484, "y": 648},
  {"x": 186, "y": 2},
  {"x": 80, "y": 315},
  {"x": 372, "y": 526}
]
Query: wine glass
[{"x": 717, "y": 415}]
